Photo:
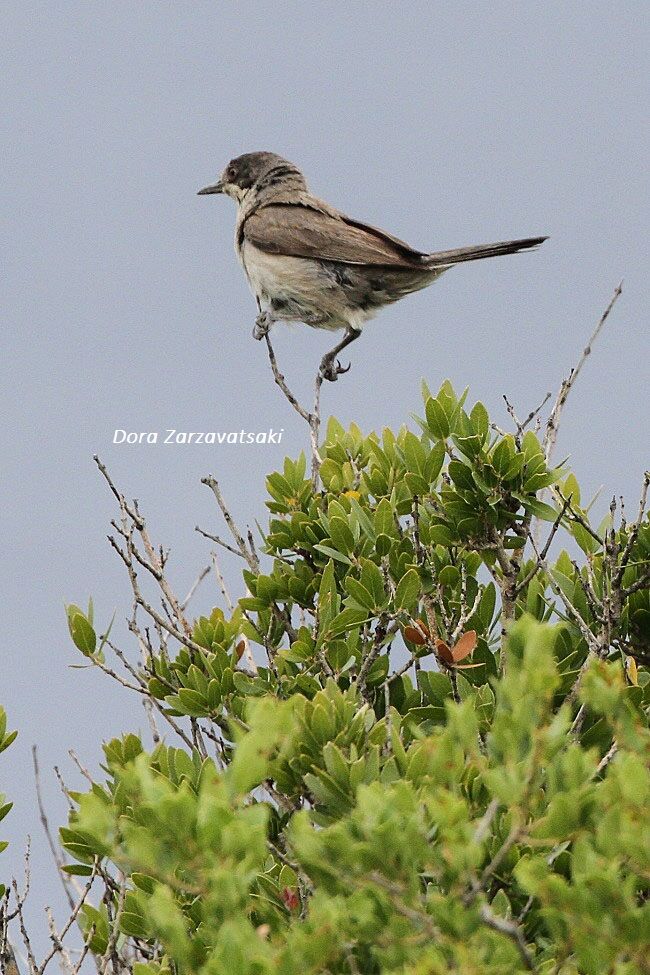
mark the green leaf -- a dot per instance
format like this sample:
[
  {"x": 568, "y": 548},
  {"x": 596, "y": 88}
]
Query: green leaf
[
  {"x": 538, "y": 508},
  {"x": 373, "y": 581},
  {"x": 248, "y": 686},
  {"x": 333, "y": 554},
  {"x": 383, "y": 544},
  {"x": 365, "y": 522},
  {"x": 384, "y": 518},
  {"x": 77, "y": 869},
  {"x": 435, "y": 686},
  {"x": 449, "y": 576},
  {"x": 408, "y": 590},
  {"x": 348, "y": 619},
  {"x": 82, "y": 633},
  {"x": 358, "y": 592},
  {"x": 436, "y": 419},
  {"x": 461, "y": 475},
  {"x": 341, "y": 535},
  {"x": 502, "y": 454},
  {"x": 7, "y": 740},
  {"x": 531, "y": 446},
  {"x": 480, "y": 420}
]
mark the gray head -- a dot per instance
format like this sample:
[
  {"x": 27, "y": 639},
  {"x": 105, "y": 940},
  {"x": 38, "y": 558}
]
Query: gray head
[{"x": 256, "y": 172}]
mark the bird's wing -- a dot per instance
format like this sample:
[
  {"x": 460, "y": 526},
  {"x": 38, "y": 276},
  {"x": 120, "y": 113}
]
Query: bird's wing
[{"x": 299, "y": 230}]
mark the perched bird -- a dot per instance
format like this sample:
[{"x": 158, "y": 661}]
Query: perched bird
[{"x": 307, "y": 262}]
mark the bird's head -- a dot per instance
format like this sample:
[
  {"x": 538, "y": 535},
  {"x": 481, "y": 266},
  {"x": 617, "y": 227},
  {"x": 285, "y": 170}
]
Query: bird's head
[{"x": 256, "y": 173}]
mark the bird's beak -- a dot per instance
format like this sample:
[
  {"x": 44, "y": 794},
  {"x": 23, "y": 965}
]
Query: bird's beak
[{"x": 213, "y": 188}]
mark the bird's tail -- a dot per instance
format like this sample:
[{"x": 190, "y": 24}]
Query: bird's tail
[{"x": 446, "y": 258}]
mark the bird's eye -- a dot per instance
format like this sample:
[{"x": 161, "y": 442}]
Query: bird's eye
[{"x": 230, "y": 174}]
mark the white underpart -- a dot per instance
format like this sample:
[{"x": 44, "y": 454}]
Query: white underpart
[{"x": 300, "y": 282}]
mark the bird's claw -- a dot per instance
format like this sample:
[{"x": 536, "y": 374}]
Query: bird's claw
[
  {"x": 331, "y": 369},
  {"x": 262, "y": 325}
]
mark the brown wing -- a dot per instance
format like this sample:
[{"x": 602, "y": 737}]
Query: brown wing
[{"x": 302, "y": 231}]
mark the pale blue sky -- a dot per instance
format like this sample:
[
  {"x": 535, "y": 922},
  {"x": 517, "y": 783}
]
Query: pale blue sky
[{"x": 447, "y": 124}]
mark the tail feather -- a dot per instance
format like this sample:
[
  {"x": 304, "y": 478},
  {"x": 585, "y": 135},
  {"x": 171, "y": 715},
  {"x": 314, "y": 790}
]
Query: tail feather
[{"x": 477, "y": 253}]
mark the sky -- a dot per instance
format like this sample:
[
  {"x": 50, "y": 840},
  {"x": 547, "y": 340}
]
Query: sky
[{"x": 125, "y": 308}]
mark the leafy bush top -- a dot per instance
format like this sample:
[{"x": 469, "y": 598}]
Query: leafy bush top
[{"x": 436, "y": 760}]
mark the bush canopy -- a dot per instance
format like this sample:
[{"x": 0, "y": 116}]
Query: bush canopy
[{"x": 417, "y": 745}]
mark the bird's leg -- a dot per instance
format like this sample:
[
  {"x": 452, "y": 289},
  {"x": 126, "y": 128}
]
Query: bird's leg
[
  {"x": 330, "y": 367},
  {"x": 262, "y": 325}
]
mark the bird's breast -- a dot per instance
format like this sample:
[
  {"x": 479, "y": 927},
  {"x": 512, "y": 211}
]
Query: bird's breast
[
  {"x": 294, "y": 288},
  {"x": 269, "y": 274}
]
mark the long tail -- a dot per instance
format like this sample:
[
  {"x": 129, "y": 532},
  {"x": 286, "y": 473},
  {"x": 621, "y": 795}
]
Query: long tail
[{"x": 445, "y": 258}]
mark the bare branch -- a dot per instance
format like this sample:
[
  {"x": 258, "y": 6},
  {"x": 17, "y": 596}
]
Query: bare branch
[
  {"x": 590, "y": 638},
  {"x": 373, "y": 653},
  {"x": 607, "y": 757},
  {"x": 156, "y": 565},
  {"x": 120, "y": 497},
  {"x": 111, "y": 955},
  {"x": 195, "y": 585},
  {"x": 57, "y": 939},
  {"x": 312, "y": 419},
  {"x": 248, "y": 653},
  {"x": 633, "y": 535},
  {"x": 281, "y": 382},
  {"x": 222, "y": 582},
  {"x": 553, "y": 422},
  {"x": 522, "y": 424},
  {"x": 575, "y": 516},
  {"x": 219, "y": 541},
  {"x": 486, "y": 820},
  {"x": 54, "y": 848},
  {"x": 249, "y": 556},
  {"x": 521, "y": 586},
  {"x": 511, "y": 930}
]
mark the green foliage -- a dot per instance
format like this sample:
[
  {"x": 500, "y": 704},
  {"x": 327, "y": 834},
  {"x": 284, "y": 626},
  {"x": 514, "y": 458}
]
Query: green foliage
[{"x": 363, "y": 802}]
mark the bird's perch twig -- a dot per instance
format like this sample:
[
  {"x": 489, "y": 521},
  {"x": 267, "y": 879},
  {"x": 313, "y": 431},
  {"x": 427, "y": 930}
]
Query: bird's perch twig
[{"x": 312, "y": 419}]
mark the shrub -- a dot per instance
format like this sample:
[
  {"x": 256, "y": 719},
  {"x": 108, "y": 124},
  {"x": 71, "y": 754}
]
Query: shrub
[{"x": 436, "y": 757}]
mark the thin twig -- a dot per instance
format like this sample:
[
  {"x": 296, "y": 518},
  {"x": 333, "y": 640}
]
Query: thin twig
[
  {"x": 246, "y": 553},
  {"x": 522, "y": 424},
  {"x": 156, "y": 566},
  {"x": 157, "y": 617},
  {"x": 541, "y": 558},
  {"x": 84, "y": 771},
  {"x": 633, "y": 534},
  {"x": 110, "y": 955},
  {"x": 54, "y": 848},
  {"x": 248, "y": 653},
  {"x": 485, "y": 822},
  {"x": 511, "y": 930},
  {"x": 312, "y": 419},
  {"x": 534, "y": 412},
  {"x": 607, "y": 757},
  {"x": 282, "y": 383},
  {"x": 144, "y": 690},
  {"x": 222, "y": 582},
  {"x": 553, "y": 422},
  {"x": 218, "y": 541},
  {"x": 147, "y": 701},
  {"x": 57, "y": 939},
  {"x": 372, "y": 654},
  {"x": 195, "y": 585},
  {"x": 570, "y": 608}
]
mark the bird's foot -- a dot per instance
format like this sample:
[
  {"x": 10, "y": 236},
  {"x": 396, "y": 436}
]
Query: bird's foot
[
  {"x": 262, "y": 325},
  {"x": 331, "y": 368}
]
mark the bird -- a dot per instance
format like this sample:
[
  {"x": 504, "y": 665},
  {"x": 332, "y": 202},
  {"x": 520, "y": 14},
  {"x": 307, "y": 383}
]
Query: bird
[{"x": 308, "y": 262}]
